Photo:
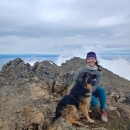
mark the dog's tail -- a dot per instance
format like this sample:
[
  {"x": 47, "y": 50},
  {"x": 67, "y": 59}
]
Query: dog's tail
[{"x": 48, "y": 124}]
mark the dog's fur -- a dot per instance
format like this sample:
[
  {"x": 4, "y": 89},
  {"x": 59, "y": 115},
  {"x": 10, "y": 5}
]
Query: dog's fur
[{"x": 79, "y": 98}]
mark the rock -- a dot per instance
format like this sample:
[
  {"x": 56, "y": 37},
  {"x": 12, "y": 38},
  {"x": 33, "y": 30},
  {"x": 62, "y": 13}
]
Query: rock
[
  {"x": 84, "y": 129},
  {"x": 112, "y": 94},
  {"x": 100, "y": 128},
  {"x": 36, "y": 91},
  {"x": 6, "y": 125},
  {"x": 64, "y": 83},
  {"x": 66, "y": 126},
  {"x": 118, "y": 113},
  {"x": 33, "y": 116},
  {"x": 111, "y": 107}
]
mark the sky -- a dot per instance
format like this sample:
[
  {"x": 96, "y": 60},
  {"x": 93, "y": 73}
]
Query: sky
[
  {"x": 57, "y": 26},
  {"x": 68, "y": 28}
]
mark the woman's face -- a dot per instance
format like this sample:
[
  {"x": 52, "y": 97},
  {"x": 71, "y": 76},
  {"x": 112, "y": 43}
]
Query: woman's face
[{"x": 91, "y": 61}]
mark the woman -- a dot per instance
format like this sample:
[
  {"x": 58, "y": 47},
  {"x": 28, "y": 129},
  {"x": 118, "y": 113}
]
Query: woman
[{"x": 97, "y": 92}]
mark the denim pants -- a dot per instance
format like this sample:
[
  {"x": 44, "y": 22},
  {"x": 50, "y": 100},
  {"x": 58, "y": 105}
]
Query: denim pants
[{"x": 100, "y": 94}]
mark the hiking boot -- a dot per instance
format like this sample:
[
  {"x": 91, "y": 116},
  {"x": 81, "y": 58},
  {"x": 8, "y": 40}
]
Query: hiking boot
[{"x": 104, "y": 116}]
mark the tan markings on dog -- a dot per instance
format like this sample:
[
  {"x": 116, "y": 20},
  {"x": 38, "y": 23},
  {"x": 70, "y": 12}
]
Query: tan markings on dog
[
  {"x": 72, "y": 113},
  {"x": 78, "y": 117},
  {"x": 88, "y": 102},
  {"x": 84, "y": 109},
  {"x": 89, "y": 86}
]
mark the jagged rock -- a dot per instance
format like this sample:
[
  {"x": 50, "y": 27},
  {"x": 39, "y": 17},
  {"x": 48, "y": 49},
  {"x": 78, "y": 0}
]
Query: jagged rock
[
  {"x": 14, "y": 70},
  {"x": 63, "y": 83},
  {"x": 41, "y": 71},
  {"x": 74, "y": 64},
  {"x": 53, "y": 67}
]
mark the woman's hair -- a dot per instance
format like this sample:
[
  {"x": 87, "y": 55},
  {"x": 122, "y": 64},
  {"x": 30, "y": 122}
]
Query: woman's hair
[{"x": 98, "y": 65}]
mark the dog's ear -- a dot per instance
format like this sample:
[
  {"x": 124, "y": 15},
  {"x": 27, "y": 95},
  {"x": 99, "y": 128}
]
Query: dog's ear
[{"x": 83, "y": 78}]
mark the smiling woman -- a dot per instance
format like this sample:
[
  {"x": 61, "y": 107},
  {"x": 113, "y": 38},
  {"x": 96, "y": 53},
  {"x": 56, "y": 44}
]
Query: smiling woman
[{"x": 98, "y": 91}]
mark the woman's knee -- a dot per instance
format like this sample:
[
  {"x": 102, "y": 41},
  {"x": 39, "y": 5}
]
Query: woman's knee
[
  {"x": 101, "y": 89},
  {"x": 94, "y": 101}
]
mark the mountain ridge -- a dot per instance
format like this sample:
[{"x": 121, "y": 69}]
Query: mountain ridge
[{"x": 29, "y": 95}]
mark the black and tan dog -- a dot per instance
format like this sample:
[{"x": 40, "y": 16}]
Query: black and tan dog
[{"x": 79, "y": 98}]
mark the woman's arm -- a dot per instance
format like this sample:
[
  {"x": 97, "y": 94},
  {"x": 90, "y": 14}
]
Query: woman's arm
[{"x": 76, "y": 76}]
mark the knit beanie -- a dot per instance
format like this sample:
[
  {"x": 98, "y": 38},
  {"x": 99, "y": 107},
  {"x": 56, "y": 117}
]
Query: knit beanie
[{"x": 91, "y": 54}]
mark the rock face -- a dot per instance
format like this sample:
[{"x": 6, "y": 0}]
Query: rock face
[{"x": 29, "y": 95}]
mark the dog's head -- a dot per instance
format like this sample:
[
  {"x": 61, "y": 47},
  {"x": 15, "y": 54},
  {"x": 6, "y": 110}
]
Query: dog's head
[{"x": 86, "y": 80}]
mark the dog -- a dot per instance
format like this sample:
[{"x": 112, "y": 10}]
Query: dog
[{"x": 78, "y": 99}]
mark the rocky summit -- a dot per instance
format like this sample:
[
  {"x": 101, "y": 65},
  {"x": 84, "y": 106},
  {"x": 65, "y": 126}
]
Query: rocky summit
[{"x": 29, "y": 95}]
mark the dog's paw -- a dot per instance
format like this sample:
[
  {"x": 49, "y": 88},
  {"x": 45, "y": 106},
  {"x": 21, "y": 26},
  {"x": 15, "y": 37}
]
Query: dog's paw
[
  {"x": 89, "y": 110},
  {"x": 82, "y": 125},
  {"x": 91, "y": 121}
]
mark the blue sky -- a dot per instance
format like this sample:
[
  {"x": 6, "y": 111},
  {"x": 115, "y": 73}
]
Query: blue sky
[{"x": 56, "y": 26}]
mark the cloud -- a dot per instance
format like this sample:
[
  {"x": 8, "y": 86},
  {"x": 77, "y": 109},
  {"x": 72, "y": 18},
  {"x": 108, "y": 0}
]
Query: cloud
[
  {"x": 111, "y": 21},
  {"x": 118, "y": 66},
  {"x": 80, "y": 51},
  {"x": 53, "y": 26}
]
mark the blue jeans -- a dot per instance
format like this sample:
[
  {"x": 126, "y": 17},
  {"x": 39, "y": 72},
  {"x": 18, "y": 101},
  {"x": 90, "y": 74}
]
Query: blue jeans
[{"x": 100, "y": 94}]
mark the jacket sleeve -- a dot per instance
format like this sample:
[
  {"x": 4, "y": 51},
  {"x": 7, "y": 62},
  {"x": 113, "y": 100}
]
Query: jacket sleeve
[
  {"x": 76, "y": 76},
  {"x": 98, "y": 81}
]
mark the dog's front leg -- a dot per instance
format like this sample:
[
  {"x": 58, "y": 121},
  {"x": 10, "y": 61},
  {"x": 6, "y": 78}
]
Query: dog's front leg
[
  {"x": 72, "y": 112},
  {"x": 88, "y": 103},
  {"x": 84, "y": 110}
]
